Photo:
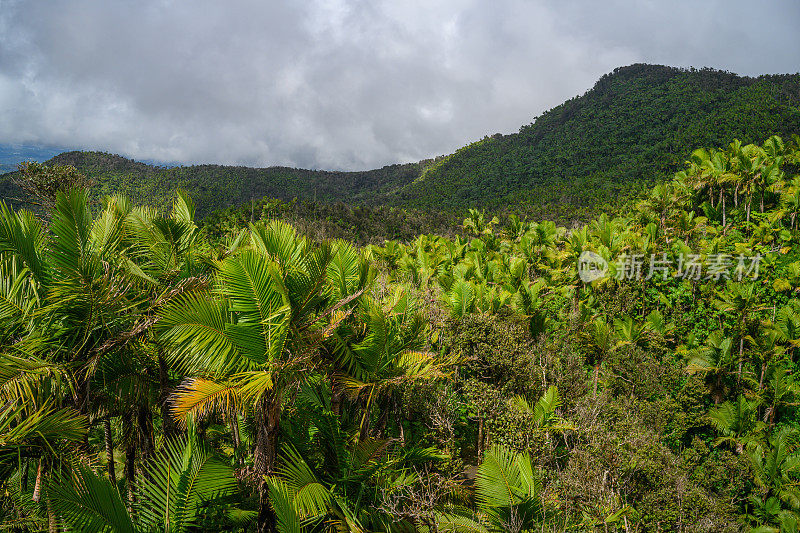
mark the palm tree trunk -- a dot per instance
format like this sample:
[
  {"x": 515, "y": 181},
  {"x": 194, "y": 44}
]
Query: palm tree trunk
[
  {"x": 167, "y": 422},
  {"x": 112, "y": 474},
  {"x": 37, "y": 487},
  {"x": 336, "y": 399},
  {"x": 383, "y": 420},
  {"x": 741, "y": 357},
  {"x": 365, "y": 418},
  {"x": 233, "y": 420},
  {"x": 577, "y": 299},
  {"x": 144, "y": 426},
  {"x": 268, "y": 415},
  {"x": 399, "y": 418},
  {"x": 130, "y": 458},
  {"x": 52, "y": 524},
  {"x": 724, "y": 219}
]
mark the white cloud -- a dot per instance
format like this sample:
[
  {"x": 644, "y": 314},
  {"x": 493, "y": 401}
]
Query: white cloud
[{"x": 336, "y": 83}]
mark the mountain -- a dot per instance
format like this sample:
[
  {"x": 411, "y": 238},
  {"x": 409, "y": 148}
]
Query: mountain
[
  {"x": 633, "y": 128},
  {"x": 216, "y": 187}
]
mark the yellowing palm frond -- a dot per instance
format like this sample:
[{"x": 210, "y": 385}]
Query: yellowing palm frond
[{"x": 199, "y": 397}]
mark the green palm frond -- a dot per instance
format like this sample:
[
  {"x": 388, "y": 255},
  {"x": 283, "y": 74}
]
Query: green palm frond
[
  {"x": 70, "y": 248},
  {"x": 258, "y": 297},
  {"x": 278, "y": 241},
  {"x": 309, "y": 496},
  {"x": 177, "y": 484},
  {"x": 21, "y": 236},
  {"x": 23, "y": 378},
  {"x": 22, "y": 428},
  {"x": 194, "y": 326},
  {"x": 88, "y": 503},
  {"x": 460, "y": 299},
  {"x": 507, "y": 489},
  {"x": 18, "y": 294},
  {"x": 454, "y": 522},
  {"x": 286, "y": 512}
]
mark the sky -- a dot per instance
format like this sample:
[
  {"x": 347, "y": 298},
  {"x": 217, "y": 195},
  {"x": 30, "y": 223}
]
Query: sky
[{"x": 344, "y": 85}]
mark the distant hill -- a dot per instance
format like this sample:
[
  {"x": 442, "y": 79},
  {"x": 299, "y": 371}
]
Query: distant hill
[
  {"x": 635, "y": 126},
  {"x": 216, "y": 187},
  {"x": 13, "y": 154}
]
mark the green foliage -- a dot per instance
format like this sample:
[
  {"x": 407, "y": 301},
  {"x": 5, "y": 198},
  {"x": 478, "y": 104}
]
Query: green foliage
[
  {"x": 246, "y": 375},
  {"x": 632, "y": 130}
]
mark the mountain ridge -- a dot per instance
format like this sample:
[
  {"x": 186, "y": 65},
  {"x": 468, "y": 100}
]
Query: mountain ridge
[{"x": 631, "y": 129}]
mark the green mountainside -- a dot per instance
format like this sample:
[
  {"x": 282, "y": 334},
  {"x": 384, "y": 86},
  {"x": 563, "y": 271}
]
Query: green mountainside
[
  {"x": 216, "y": 186},
  {"x": 634, "y": 127},
  {"x": 631, "y": 130}
]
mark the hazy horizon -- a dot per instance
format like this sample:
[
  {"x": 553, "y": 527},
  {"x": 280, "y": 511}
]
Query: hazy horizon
[{"x": 339, "y": 85}]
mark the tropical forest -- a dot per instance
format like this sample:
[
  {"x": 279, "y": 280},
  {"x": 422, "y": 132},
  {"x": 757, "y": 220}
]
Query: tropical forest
[{"x": 590, "y": 326}]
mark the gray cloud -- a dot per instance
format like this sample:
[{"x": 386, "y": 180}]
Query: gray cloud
[{"x": 341, "y": 84}]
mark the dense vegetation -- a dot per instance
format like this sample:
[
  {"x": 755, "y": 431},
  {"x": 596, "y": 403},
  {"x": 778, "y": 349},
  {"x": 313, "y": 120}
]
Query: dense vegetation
[
  {"x": 632, "y": 130},
  {"x": 358, "y": 224},
  {"x": 591, "y": 154},
  {"x": 217, "y": 187},
  {"x": 156, "y": 376}
]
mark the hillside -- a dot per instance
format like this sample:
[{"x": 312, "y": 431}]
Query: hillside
[
  {"x": 631, "y": 129},
  {"x": 635, "y": 126},
  {"x": 217, "y": 187},
  {"x": 636, "y": 374}
]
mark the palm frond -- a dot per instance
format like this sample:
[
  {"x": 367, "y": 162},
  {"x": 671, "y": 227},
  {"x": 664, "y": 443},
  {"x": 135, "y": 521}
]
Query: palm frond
[
  {"x": 194, "y": 328},
  {"x": 198, "y": 398},
  {"x": 88, "y": 503},
  {"x": 184, "y": 476}
]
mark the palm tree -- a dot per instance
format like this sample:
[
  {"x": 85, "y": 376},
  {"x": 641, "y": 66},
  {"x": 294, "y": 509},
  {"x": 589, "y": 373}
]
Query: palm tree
[
  {"x": 787, "y": 325},
  {"x": 714, "y": 359},
  {"x": 737, "y": 423},
  {"x": 782, "y": 391},
  {"x": 172, "y": 497},
  {"x": 791, "y": 200},
  {"x": 776, "y": 468},
  {"x": 34, "y": 426},
  {"x": 254, "y": 334},
  {"x": 739, "y": 299},
  {"x": 508, "y": 495},
  {"x": 327, "y": 478},
  {"x": 528, "y": 302},
  {"x": 476, "y": 223},
  {"x": 387, "y": 355},
  {"x": 599, "y": 341}
]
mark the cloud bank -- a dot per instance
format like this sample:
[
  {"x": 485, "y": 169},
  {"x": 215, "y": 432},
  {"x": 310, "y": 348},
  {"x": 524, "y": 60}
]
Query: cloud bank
[{"x": 341, "y": 84}]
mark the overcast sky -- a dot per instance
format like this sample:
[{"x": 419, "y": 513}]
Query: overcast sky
[{"x": 342, "y": 85}]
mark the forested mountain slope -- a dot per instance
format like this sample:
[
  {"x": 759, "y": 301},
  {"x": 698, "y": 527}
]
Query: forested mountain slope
[
  {"x": 632, "y": 129},
  {"x": 218, "y": 186},
  {"x": 156, "y": 375}
]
